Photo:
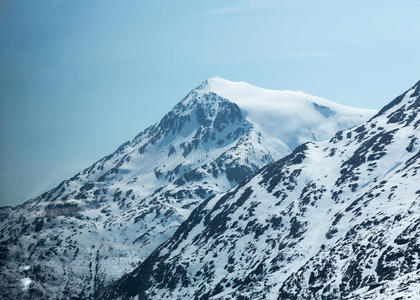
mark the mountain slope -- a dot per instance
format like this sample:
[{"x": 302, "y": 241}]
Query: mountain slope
[
  {"x": 99, "y": 224},
  {"x": 334, "y": 219}
]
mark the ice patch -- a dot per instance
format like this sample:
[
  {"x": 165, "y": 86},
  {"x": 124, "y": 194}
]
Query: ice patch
[{"x": 26, "y": 282}]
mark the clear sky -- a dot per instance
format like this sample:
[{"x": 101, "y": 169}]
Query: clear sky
[{"x": 80, "y": 77}]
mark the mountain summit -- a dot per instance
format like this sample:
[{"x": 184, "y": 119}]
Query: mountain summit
[
  {"x": 292, "y": 117},
  {"x": 336, "y": 219},
  {"x": 98, "y": 225}
]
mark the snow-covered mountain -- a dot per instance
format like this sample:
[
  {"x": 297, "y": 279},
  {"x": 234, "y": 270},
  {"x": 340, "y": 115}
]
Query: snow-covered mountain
[
  {"x": 336, "y": 219},
  {"x": 99, "y": 224}
]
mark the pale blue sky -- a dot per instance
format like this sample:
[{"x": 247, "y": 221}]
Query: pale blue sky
[{"x": 80, "y": 77}]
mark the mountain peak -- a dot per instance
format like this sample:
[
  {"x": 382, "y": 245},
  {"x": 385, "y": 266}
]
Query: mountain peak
[
  {"x": 247, "y": 95},
  {"x": 273, "y": 109},
  {"x": 222, "y": 86},
  {"x": 217, "y": 85},
  {"x": 218, "y": 79}
]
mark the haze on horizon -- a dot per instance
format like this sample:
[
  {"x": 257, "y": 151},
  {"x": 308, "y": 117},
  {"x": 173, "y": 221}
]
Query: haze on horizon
[{"x": 78, "y": 78}]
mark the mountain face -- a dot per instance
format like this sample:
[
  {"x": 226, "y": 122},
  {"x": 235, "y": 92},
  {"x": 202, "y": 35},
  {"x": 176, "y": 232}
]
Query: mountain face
[
  {"x": 98, "y": 225},
  {"x": 336, "y": 219}
]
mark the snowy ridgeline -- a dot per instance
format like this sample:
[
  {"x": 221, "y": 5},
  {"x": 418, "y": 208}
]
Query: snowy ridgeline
[
  {"x": 336, "y": 219},
  {"x": 99, "y": 224}
]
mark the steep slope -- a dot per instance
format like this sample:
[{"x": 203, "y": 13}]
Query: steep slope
[
  {"x": 332, "y": 220},
  {"x": 102, "y": 222}
]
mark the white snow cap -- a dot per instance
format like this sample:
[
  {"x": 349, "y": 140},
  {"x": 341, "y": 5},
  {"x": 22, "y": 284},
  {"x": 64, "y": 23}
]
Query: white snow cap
[{"x": 281, "y": 113}]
